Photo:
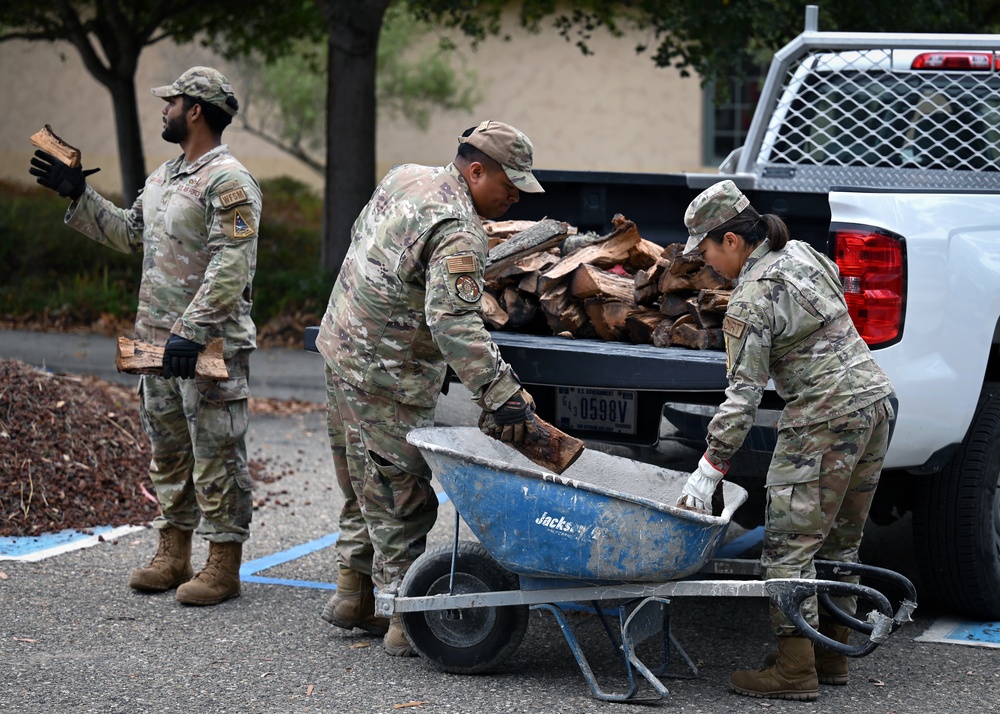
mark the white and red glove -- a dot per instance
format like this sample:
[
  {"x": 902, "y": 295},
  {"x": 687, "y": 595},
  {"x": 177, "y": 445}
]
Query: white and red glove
[{"x": 701, "y": 484}]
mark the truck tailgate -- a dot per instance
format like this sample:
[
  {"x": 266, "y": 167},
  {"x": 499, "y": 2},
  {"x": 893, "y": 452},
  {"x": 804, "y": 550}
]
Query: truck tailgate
[{"x": 558, "y": 361}]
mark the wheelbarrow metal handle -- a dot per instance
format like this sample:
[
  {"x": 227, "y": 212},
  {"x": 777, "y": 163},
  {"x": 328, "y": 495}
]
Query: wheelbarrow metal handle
[{"x": 789, "y": 594}]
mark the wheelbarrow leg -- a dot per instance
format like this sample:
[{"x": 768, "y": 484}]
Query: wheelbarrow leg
[
  {"x": 640, "y": 621},
  {"x": 581, "y": 659}
]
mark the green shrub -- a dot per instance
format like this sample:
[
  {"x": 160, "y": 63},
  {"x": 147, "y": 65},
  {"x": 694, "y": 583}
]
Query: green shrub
[{"x": 48, "y": 269}]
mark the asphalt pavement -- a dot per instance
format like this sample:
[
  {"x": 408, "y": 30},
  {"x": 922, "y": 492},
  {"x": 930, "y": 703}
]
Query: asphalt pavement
[{"x": 74, "y": 637}]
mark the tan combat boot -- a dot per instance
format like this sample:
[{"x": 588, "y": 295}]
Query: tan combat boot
[
  {"x": 831, "y": 668},
  {"x": 219, "y": 580},
  {"x": 793, "y": 675},
  {"x": 171, "y": 565},
  {"x": 354, "y": 604},
  {"x": 395, "y": 643}
]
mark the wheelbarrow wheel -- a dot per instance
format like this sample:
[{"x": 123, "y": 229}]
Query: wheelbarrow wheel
[{"x": 470, "y": 640}]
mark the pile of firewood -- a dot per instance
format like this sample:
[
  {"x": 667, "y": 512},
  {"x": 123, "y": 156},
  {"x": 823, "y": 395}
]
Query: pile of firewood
[{"x": 542, "y": 275}]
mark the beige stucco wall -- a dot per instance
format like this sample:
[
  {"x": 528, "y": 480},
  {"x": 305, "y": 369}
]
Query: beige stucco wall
[{"x": 610, "y": 111}]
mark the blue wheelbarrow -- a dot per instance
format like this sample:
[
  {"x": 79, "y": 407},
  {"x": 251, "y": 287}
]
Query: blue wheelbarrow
[{"x": 604, "y": 532}]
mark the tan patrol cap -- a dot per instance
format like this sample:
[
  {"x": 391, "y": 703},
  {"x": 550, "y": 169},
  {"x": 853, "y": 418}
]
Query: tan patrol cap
[
  {"x": 202, "y": 83},
  {"x": 508, "y": 146},
  {"x": 711, "y": 208}
]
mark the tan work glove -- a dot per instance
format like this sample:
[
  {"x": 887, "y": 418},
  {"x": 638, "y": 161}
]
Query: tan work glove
[{"x": 511, "y": 422}]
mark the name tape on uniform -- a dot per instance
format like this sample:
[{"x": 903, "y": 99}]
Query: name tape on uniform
[{"x": 733, "y": 327}]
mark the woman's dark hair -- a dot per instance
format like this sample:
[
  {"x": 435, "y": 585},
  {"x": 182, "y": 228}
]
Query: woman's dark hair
[
  {"x": 216, "y": 118},
  {"x": 754, "y": 228}
]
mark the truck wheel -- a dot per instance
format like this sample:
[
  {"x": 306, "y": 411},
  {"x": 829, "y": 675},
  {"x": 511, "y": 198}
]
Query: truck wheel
[
  {"x": 956, "y": 521},
  {"x": 465, "y": 641}
]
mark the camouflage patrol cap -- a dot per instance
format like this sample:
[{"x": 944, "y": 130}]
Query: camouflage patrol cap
[
  {"x": 202, "y": 83},
  {"x": 711, "y": 208},
  {"x": 510, "y": 147}
]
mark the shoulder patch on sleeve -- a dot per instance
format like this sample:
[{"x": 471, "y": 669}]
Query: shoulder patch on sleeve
[
  {"x": 461, "y": 264},
  {"x": 734, "y": 327},
  {"x": 241, "y": 229}
]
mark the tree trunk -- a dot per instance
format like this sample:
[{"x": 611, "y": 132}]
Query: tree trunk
[
  {"x": 350, "y": 147},
  {"x": 132, "y": 161}
]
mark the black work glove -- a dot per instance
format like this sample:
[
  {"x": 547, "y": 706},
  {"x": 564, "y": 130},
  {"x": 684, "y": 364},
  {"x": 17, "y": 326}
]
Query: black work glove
[
  {"x": 54, "y": 174},
  {"x": 180, "y": 357},
  {"x": 512, "y": 417}
]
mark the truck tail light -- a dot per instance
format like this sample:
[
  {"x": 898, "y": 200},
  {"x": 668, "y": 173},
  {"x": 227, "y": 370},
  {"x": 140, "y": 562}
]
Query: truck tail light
[
  {"x": 971, "y": 61},
  {"x": 872, "y": 271}
]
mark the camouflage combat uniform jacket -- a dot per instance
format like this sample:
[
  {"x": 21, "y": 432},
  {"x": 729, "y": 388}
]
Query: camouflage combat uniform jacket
[
  {"x": 196, "y": 224},
  {"x": 408, "y": 298},
  {"x": 787, "y": 320}
]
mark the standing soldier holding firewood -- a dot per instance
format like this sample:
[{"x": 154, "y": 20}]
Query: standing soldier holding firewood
[{"x": 196, "y": 222}]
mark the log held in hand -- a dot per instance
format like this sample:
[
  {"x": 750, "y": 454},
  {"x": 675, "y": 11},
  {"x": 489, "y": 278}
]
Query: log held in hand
[
  {"x": 134, "y": 357},
  {"x": 544, "y": 444}
]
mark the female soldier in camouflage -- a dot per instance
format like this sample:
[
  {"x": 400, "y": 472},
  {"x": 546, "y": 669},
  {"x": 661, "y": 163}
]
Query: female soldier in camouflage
[{"x": 787, "y": 321}]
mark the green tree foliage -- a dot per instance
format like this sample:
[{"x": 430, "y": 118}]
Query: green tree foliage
[{"x": 286, "y": 98}]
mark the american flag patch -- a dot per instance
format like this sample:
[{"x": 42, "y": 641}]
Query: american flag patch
[{"x": 461, "y": 264}]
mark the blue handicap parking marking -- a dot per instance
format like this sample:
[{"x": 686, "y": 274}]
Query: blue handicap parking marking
[
  {"x": 952, "y": 631},
  {"x": 33, "y": 548}
]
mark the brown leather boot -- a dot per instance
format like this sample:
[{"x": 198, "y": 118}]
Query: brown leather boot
[
  {"x": 831, "y": 668},
  {"x": 395, "y": 643},
  {"x": 793, "y": 675},
  {"x": 353, "y": 605},
  {"x": 171, "y": 565},
  {"x": 219, "y": 580}
]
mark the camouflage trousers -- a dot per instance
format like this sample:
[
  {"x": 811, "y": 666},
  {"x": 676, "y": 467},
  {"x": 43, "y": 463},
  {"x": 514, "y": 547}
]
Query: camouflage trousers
[
  {"x": 197, "y": 429},
  {"x": 820, "y": 485},
  {"x": 389, "y": 505}
]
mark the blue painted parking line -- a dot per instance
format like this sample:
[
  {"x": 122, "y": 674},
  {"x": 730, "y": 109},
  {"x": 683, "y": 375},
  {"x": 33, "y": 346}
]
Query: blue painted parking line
[{"x": 249, "y": 570}]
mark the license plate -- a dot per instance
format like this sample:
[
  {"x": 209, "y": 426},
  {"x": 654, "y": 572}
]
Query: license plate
[{"x": 587, "y": 409}]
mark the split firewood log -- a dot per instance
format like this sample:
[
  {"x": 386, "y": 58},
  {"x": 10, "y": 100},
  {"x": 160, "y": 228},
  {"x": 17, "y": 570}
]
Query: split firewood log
[
  {"x": 521, "y": 309},
  {"x": 644, "y": 255},
  {"x": 688, "y": 334},
  {"x": 561, "y": 312},
  {"x": 604, "y": 254},
  {"x": 135, "y": 357},
  {"x": 661, "y": 334},
  {"x": 674, "y": 304},
  {"x": 702, "y": 318},
  {"x": 708, "y": 279},
  {"x": 46, "y": 140},
  {"x": 608, "y": 317},
  {"x": 641, "y": 324},
  {"x": 536, "y": 239},
  {"x": 530, "y": 265},
  {"x": 590, "y": 281},
  {"x": 493, "y": 315}
]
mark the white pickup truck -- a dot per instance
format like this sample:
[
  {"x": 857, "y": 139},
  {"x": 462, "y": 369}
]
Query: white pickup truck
[{"x": 884, "y": 151}]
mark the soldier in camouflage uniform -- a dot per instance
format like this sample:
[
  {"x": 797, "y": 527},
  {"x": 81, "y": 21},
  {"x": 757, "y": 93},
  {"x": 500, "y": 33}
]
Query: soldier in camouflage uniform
[
  {"x": 405, "y": 306},
  {"x": 196, "y": 222},
  {"x": 787, "y": 321}
]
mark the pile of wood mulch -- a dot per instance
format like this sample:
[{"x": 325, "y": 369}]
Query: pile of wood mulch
[{"x": 73, "y": 453}]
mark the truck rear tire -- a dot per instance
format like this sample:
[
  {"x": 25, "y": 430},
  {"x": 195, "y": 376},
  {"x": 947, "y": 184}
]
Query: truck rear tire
[{"x": 956, "y": 521}]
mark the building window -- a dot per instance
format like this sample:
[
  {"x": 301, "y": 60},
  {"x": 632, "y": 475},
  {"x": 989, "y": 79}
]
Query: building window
[{"x": 728, "y": 115}]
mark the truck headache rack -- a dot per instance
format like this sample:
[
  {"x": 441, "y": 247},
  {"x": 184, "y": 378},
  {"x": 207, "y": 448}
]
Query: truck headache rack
[{"x": 871, "y": 110}]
